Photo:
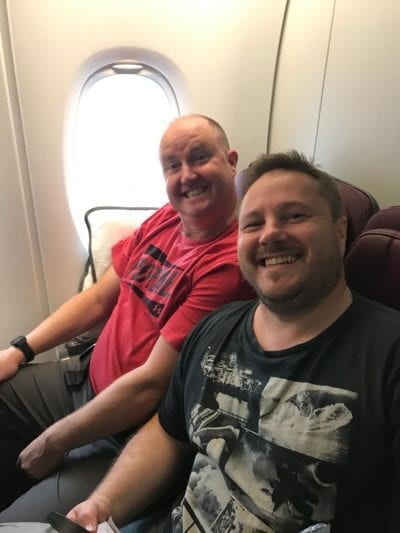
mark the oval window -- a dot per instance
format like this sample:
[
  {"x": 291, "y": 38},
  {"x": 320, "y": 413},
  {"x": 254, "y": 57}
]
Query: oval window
[{"x": 121, "y": 115}]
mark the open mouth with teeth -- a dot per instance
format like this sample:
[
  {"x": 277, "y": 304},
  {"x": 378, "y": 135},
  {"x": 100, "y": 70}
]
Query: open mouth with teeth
[
  {"x": 280, "y": 260},
  {"x": 195, "y": 192}
]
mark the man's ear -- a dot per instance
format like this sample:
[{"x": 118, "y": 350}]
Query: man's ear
[{"x": 233, "y": 158}]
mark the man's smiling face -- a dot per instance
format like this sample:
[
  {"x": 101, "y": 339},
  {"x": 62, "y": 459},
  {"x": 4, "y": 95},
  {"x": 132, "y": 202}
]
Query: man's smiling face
[
  {"x": 289, "y": 247},
  {"x": 199, "y": 169}
]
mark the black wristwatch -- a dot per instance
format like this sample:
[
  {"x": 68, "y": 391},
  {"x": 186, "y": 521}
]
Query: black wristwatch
[{"x": 21, "y": 343}]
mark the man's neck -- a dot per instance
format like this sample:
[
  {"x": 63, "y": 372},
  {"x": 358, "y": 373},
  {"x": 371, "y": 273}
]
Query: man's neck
[
  {"x": 275, "y": 332},
  {"x": 207, "y": 229}
]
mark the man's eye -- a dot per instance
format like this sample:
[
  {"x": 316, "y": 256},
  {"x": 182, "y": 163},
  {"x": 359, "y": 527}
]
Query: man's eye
[
  {"x": 295, "y": 217},
  {"x": 250, "y": 226},
  {"x": 172, "y": 167},
  {"x": 200, "y": 157}
]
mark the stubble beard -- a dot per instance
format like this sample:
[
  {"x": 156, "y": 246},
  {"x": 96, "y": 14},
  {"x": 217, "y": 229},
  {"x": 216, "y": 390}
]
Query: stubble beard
[{"x": 305, "y": 295}]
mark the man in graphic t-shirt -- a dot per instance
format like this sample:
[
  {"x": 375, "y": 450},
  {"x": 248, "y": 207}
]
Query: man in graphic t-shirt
[{"x": 288, "y": 406}]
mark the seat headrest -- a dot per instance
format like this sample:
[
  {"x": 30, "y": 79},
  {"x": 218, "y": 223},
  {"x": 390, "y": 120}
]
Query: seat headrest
[
  {"x": 360, "y": 205},
  {"x": 372, "y": 266}
]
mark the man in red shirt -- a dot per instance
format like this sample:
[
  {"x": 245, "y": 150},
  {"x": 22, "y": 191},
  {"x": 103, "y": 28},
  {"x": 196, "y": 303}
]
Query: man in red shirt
[{"x": 176, "y": 268}]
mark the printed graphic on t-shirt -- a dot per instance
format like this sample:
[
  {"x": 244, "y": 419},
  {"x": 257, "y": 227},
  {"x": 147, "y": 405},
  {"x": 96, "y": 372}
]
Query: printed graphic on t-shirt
[
  {"x": 272, "y": 451},
  {"x": 152, "y": 278}
]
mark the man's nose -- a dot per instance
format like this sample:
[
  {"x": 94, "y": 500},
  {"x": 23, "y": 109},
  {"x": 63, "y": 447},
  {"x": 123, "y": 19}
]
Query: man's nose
[
  {"x": 187, "y": 172},
  {"x": 272, "y": 231}
]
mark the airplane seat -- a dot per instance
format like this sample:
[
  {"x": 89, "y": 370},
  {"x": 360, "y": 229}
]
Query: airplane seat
[
  {"x": 360, "y": 205},
  {"x": 372, "y": 263},
  {"x": 106, "y": 225},
  {"x": 389, "y": 218}
]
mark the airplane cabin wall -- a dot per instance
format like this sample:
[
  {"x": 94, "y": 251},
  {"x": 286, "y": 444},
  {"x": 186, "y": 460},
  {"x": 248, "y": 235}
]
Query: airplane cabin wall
[
  {"x": 220, "y": 57},
  {"x": 22, "y": 287},
  {"x": 321, "y": 77},
  {"x": 337, "y": 90}
]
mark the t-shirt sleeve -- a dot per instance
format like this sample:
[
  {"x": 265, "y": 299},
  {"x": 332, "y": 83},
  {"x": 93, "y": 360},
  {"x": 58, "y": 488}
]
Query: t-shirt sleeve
[
  {"x": 187, "y": 383},
  {"x": 122, "y": 250},
  {"x": 213, "y": 288}
]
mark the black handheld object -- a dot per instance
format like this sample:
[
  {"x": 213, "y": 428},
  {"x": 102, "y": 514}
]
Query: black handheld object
[{"x": 63, "y": 524}]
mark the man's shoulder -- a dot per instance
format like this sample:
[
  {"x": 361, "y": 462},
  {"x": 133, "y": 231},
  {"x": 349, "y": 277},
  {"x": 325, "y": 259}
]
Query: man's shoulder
[
  {"x": 227, "y": 314},
  {"x": 159, "y": 224},
  {"x": 376, "y": 307},
  {"x": 164, "y": 220},
  {"x": 217, "y": 327},
  {"x": 166, "y": 212},
  {"x": 376, "y": 313}
]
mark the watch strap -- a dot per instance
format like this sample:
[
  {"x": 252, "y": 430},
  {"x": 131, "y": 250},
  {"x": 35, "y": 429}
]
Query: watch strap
[{"x": 21, "y": 343}]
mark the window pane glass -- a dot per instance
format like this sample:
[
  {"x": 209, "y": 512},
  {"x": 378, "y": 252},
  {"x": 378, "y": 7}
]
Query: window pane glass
[{"x": 119, "y": 123}]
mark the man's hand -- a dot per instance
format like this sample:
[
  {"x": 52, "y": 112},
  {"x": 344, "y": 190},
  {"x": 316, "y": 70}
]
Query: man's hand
[
  {"x": 92, "y": 512},
  {"x": 10, "y": 361},
  {"x": 41, "y": 456}
]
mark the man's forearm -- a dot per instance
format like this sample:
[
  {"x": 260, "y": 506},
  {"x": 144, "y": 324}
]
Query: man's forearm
[
  {"x": 126, "y": 403},
  {"x": 145, "y": 470},
  {"x": 68, "y": 321},
  {"x": 79, "y": 314}
]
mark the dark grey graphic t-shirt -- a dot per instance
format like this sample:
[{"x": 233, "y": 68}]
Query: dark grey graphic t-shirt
[{"x": 282, "y": 437}]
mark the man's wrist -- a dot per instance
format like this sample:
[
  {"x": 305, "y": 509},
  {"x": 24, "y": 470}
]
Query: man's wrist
[
  {"x": 17, "y": 356},
  {"x": 22, "y": 344}
]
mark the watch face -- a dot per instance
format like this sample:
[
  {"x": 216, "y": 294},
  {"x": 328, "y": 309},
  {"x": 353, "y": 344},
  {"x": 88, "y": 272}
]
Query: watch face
[
  {"x": 18, "y": 340},
  {"x": 21, "y": 343},
  {"x": 62, "y": 524}
]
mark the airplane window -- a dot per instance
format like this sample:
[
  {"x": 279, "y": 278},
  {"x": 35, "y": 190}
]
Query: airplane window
[{"x": 122, "y": 112}]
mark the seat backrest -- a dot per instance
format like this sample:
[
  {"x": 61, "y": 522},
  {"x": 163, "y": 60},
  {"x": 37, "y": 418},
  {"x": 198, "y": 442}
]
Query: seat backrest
[
  {"x": 372, "y": 265},
  {"x": 106, "y": 226},
  {"x": 388, "y": 218},
  {"x": 360, "y": 205}
]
